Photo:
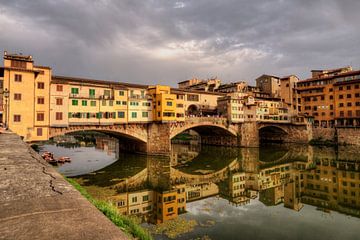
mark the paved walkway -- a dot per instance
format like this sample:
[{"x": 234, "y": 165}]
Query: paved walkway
[{"x": 37, "y": 203}]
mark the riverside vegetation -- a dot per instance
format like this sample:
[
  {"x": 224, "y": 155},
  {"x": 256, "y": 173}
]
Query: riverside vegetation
[{"x": 125, "y": 223}]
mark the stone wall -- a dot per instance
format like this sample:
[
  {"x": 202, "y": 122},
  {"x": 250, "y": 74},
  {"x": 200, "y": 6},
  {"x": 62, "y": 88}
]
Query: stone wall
[
  {"x": 249, "y": 135},
  {"x": 348, "y": 136},
  {"x": 324, "y": 133},
  {"x": 298, "y": 134},
  {"x": 159, "y": 139}
]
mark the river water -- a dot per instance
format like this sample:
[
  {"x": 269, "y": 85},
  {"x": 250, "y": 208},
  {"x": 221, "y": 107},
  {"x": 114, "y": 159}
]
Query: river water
[{"x": 271, "y": 192}]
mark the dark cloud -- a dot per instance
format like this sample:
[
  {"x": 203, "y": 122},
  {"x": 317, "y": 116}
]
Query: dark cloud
[{"x": 163, "y": 41}]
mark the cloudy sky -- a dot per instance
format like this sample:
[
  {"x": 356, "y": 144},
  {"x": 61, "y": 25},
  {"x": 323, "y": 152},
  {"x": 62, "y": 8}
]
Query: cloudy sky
[{"x": 164, "y": 41}]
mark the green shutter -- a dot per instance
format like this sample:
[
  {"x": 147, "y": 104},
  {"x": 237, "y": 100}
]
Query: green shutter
[{"x": 74, "y": 90}]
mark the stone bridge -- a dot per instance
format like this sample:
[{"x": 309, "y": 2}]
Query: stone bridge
[{"x": 155, "y": 138}]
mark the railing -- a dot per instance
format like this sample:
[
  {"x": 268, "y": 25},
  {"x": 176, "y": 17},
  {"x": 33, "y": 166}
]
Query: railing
[
  {"x": 212, "y": 119},
  {"x": 97, "y": 96}
]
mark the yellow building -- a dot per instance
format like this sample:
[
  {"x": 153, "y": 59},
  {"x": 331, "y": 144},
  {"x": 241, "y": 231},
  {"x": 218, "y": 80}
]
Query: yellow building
[
  {"x": 166, "y": 206},
  {"x": 27, "y": 111},
  {"x": 139, "y": 105},
  {"x": 272, "y": 110},
  {"x": 164, "y": 103}
]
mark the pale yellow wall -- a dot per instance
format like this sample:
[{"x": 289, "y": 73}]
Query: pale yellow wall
[
  {"x": 54, "y": 108},
  {"x": 139, "y": 103},
  {"x": 120, "y": 104},
  {"x": 24, "y": 107},
  {"x": 44, "y": 77}
]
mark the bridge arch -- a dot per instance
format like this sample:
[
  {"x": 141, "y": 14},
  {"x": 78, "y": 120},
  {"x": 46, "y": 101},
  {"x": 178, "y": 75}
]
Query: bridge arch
[
  {"x": 132, "y": 138},
  {"x": 134, "y": 132},
  {"x": 204, "y": 127},
  {"x": 272, "y": 133}
]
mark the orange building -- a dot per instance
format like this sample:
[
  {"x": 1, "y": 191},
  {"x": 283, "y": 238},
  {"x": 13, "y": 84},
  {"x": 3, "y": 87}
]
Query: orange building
[{"x": 332, "y": 97}]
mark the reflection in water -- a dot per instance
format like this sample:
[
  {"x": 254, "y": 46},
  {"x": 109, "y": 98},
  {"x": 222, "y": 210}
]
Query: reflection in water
[{"x": 159, "y": 189}]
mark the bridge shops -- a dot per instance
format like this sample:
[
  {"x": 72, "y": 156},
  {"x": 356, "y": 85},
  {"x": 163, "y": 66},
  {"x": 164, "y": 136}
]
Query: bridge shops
[{"x": 39, "y": 106}]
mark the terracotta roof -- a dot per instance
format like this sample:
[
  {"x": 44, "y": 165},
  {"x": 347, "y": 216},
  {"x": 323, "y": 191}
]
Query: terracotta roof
[
  {"x": 22, "y": 69},
  {"x": 178, "y": 90},
  {"x": 266, "y": 75},
  {"x": 286, "y": 77},
  {"x": 330, "y": 77},
  {"x": 39, "y": 66},
  {"x": 95, "y": 81},
  {"x": 331, "y": 70}
]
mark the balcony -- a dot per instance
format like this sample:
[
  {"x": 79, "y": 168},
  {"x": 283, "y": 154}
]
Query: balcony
[
  {"x": 139, "y": 97},
  {"x": 85, "y": 96}
]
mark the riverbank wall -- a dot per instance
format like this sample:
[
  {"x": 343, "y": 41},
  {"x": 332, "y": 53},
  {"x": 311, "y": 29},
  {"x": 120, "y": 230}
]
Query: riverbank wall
[
  {"x": 36, "y": 202},
  {"x": 339, "y": 135}
]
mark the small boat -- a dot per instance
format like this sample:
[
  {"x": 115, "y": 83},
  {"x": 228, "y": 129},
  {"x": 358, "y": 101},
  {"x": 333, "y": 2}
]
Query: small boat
[{"x": 64, "y": 159}]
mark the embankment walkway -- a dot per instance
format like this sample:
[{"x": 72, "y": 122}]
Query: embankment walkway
[{"x": 36, "y": 202}]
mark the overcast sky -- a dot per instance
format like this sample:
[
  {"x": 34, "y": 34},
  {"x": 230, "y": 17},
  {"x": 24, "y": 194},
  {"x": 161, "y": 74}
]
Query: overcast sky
[{"x": 164, "y": 41}]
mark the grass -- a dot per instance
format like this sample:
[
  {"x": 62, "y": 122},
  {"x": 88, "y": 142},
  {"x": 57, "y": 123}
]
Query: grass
[{"x": 125, "y": 223}]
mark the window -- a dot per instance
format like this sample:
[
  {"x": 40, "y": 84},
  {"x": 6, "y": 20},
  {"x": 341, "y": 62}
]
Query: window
[
  {"x": 118, "y": 102},
  {"x": 40, "y": 85},
  {"x": 74, "y": 91},
  {"x": 341, "y": 96},
  {"x": 340, "y": 88},
  {"x": 170, "y": 209},
  {"x": 74, "y": 102},
  {"x": 17, "y": 96},
  {"x": 348, "y": 87},
  {"x": 133, "y": 114},
  {"x": 349, "y": 113},
  {"x": 59, "y": 116},
  {"x": 145, "y": 114},
  {"x": 121, "y": 93},
  {"x": 331, "y": 97},
  {"x": 168, "y": 103},
  {"x": 134, "y": 199},
  {"x": 17, "y": 118},
  {"x": 341, "y": 113},
  {"x": 59, "y": 88},
  {"x": 59, "y": 101},
  {"x": 107, "y": 93},
  {"x": 18, "y": 64},
  {"x": 330, "y": 89},
  {"x": 40, "y": 100},
  {"x": 349, "y": 104},
  {"x": 341, "y": 104},
  {"x": 40, "y": 117},
  {"x": 193, "y": 97},
  {"x": 103, "y": 102},
  {"x": 93, "y": 103},
  {"x": 322, "y": 98},
  {"x": 39, "y": 132},
  {"x": 18, "y": 77},
  {"x": 348, "y": 95},
  {"x": 357, "y": 86},
  {"x": 84, "y": 103},
  {"x": 145, "y": 198},
  {"x": 123, "y": 102},
  {"x": 121, "y": 114},
  {"x": 92, "y": 92},
  {"x": 111, "y": 103}
]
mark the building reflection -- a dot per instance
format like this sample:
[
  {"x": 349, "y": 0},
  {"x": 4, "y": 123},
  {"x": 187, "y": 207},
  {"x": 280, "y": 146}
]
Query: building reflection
[{"x": 326, "y": 178}]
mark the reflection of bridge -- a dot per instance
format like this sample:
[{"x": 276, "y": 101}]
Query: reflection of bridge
[{"x": 155, "y": 138}]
